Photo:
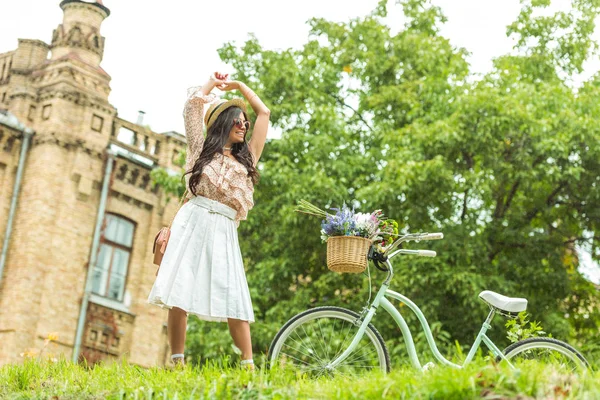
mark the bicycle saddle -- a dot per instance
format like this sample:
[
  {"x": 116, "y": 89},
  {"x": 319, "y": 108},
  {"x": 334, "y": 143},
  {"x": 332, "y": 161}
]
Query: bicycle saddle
[{"x": 508, "y": 304}]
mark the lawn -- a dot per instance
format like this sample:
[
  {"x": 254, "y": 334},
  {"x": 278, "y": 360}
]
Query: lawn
[{"x": 64, "y": 380}]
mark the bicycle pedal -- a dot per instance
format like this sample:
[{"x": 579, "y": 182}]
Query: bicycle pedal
[{"x": 428, "y": 366}]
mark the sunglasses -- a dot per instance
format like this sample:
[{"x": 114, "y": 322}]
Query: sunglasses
[{"x": 240, "y": 123}]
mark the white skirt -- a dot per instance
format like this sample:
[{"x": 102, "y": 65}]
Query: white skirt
[{"x": 202, "y": 271}]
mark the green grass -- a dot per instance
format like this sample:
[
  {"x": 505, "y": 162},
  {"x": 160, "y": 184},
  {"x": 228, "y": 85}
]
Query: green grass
[{"x": 64, "y": 380}]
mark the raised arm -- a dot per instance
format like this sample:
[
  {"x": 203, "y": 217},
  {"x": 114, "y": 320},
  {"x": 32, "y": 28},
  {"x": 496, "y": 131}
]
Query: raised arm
[
  {"x": 193, "y": 116},
  {"x": 259, "y": 133}
]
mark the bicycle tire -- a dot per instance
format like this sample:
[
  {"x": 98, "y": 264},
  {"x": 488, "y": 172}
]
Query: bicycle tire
[
  {"x": 549, "y": 345},
  {"x": 314, "y": 314}
]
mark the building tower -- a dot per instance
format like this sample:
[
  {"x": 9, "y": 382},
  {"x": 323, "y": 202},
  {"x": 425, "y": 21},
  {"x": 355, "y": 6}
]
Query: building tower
[
  {"x": 79, "y": 34},
  {"x": 59, "y": 227}
]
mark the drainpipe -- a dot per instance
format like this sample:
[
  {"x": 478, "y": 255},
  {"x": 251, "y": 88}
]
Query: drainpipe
[
  {"x": 27, "y": 134},
  {"x": 93, "y": 255}
]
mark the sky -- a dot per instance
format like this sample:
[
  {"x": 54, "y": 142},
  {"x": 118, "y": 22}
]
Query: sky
[{"x": 155, "y": 50}]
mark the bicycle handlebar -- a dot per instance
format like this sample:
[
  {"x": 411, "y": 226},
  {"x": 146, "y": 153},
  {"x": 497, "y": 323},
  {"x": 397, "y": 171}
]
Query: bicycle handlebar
[
  {"x": 422, "y": 253},
  {"x": 432, "y": 236},
  {"x": 392, "y": 250},
  {"x": 415, "y": 237}
]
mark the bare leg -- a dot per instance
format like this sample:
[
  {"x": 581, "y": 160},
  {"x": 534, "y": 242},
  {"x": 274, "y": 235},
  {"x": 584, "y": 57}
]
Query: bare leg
[
  {"x": 176, "y": 327},
  {"x": 240, "y": 333}
]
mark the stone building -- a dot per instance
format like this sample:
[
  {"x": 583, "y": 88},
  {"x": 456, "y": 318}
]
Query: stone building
[{"x": 76, "y": 192}]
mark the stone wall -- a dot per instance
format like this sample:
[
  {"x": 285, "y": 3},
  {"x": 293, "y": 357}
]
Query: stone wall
[{"x": 64, "y": 100}]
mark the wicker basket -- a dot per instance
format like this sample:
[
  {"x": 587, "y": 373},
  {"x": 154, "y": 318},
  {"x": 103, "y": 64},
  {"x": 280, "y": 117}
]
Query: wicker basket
[{"x": 347, "y": 254}]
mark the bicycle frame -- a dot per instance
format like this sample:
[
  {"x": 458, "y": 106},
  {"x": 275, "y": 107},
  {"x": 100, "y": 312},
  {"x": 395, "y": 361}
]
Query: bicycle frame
[{"x": 382, "y": 301}]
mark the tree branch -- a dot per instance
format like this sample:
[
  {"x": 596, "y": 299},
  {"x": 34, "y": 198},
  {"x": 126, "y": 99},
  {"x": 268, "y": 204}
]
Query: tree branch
[
  {"x": 502, "y": 245},
  {"x": 469, "y": 160},
  {"x": 549, "y": 201},
  {"x": 511, "y": 194},
  {"x": 499, "y": 203},
  {"x": 578, "y": 239},
  {"x": 464, "y": 208},
  {"x": 355, "y": 111}
]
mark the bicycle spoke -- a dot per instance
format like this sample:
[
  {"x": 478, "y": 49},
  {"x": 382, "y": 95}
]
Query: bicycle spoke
[
  {"x": 359, "y": 356},
  {"x": 334, "y": 330},
  {"x": 309, "y": 347},
  {"x": 341, "y": 347},
  {"x": 295, "y": 358},
  {"x": 365, "y": 344},
  {"x": 323, "y": 336},
  {"x": 301, "y": 352},
  {"x": 559, "y": 355},
  {"x": 301, "y": 343},
  {"x": 356, "y": 363},
  {"x": 356, "y": 352}
]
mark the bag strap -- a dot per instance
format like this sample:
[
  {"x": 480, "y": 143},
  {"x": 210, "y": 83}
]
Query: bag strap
[{"x": 180, "y": 204}]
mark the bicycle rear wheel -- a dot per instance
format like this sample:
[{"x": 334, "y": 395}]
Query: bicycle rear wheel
[
  {"x": 559, "y": 354},
  {"x": 311, "y": 340}
]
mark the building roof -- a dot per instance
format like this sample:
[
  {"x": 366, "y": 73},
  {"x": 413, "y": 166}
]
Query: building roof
[
  {"x": 175, "y": 135},
  {"x": 75, "y": 56},
  {"x": 97, "y": 3}
]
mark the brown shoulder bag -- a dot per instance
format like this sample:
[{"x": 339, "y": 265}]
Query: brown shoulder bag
[{"x": 162, "y": 237}]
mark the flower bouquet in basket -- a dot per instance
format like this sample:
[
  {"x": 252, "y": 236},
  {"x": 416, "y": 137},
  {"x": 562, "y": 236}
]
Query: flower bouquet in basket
[{"x": 349, "y": 235}]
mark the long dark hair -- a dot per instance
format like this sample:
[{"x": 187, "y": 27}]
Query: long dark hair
[{"x": 216, "y": 138}]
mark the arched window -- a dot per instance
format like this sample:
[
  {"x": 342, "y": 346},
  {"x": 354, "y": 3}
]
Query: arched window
[{"x": 110, "y": 271}]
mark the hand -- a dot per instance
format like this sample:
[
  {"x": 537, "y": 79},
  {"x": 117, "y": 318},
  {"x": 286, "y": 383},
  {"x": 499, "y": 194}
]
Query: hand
[
  {"x": 229, "y": 85},
  {"x": 218, "y": 78},
  {"x": 221, "y": 76}
]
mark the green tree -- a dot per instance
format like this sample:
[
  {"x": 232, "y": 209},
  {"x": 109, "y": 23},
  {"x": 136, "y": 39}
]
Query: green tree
[{"x": 506, "y": 165}]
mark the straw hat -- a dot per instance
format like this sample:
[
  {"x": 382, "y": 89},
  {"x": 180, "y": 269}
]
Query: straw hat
[{"x": 218, "y": 107}]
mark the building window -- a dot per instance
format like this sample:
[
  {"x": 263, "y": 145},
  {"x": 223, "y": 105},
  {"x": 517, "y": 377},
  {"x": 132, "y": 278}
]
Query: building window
[
  {"x": 46, "y": 110},
  {"x": 127, "y": 136},
  {"x": 4, "y": 97},
  {"x": 110, "y": 272},
  {"x": 144, "y": 143},
  {"x": 31, "y": 114},
  {"x": 97, "y": 123}
]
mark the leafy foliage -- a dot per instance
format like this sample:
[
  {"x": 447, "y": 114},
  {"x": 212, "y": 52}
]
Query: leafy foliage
[
  {"x": 522, "y": 328},
  {"x": 507, "y": 165},
  {"x": 66, "y": 380}
]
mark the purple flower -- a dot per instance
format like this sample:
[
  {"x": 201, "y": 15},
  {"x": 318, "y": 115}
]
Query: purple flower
[{"x": 342, "y": 223}]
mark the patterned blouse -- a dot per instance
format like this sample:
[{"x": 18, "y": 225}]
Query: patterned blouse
[{"x": 223, "y": 179}]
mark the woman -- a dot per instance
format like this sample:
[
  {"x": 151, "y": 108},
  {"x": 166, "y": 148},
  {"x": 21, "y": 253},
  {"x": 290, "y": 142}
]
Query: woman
[{"x": 202, "y": 272}]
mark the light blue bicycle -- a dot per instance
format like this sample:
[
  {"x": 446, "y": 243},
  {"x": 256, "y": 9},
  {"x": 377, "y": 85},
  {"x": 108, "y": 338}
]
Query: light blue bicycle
[{"x": 333, "y": 340}]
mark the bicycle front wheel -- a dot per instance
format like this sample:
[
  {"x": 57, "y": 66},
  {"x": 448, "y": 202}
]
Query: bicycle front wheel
[
  {"x": 559, "y": 354},
  {"x": 311, "y": 340}
]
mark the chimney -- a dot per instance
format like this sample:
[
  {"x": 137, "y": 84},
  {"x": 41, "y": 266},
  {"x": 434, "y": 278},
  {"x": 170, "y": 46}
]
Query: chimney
[{"x": 140, "y": 119}]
